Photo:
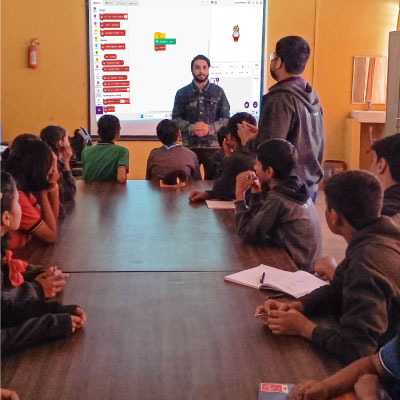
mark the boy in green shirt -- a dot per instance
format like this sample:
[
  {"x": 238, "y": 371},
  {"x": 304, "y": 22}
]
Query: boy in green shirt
[{"x": 106, "y": 161}]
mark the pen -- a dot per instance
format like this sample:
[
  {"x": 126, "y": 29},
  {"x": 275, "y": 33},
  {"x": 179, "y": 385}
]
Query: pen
[{"x": 262, "y": 278}]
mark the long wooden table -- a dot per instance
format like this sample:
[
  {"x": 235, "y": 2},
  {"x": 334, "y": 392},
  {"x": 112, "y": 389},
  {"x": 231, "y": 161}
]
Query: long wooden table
[{"x": 165, "y": 329}]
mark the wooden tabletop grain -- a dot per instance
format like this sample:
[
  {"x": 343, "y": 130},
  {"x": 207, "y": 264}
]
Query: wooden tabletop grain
[
  {"x": 142, "y": 227},
  {"x": 170, "y": 327}
]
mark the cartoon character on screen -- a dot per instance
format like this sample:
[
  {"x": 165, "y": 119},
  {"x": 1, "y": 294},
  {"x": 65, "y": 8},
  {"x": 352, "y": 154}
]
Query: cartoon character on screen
[{"x": 236, "y": 34}]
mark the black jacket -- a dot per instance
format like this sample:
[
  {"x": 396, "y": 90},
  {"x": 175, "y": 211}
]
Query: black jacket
[
  {"x": 29, "y": 322},
  {"x": 242, "y": 159},
  {"x": 391, "y": 200},
  {"x": 364, "y": 295}
]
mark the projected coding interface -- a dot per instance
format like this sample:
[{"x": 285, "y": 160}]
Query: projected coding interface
[{"x": 141, "y": 52}]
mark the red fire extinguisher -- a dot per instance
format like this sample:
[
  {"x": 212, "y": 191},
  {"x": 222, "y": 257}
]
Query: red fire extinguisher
[{"x": 32, "y": 53}]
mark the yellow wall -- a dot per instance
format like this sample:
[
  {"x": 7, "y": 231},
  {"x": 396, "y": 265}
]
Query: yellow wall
[
  {"x": 345, "y": 29},
  {"x": 57, "y": 91},
  {"x": 336, "y": 31}
]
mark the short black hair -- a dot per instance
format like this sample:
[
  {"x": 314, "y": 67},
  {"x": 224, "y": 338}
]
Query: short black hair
[
  {"x": 7, "y": 191},
  {"x": 168, "y": 131},
  {"x": 200, "y": 57},
  {"x": 294, "y": 52},
  {"x": 14, "y": 145},
  {"x": 238, "y": 119},
  {"x": 389, "y": 149},
  {"x": 51, "y": 135},
  {"x": 357, "y": 195},
  {"x": 280, "y": 155},
  {"x": 21, "y": 139},
  {"x": 222, "y": 133},
  {"x": 108, "y": 126},
  {"x": 29, "y": 163}
]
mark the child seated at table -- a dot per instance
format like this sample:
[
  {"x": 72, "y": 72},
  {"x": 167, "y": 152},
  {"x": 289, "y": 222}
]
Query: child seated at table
[
  {"x": 364, "y": 295},
  {"x": 25, "y": 318},
  {"x": 386, "y": 166},
  {"x": 57, "y": 138},
  {"x": 287, "y": 215},
  {"x": 34, "y": 167},
  {"x": 219, "y": 155},
  {"x": 241, "y": 159},
  {"x": 106, "y": 161},
  {"x": 171, "y": 156},
  {"x": 18, "y": 279},
  {"x": 371, "y": 377}
]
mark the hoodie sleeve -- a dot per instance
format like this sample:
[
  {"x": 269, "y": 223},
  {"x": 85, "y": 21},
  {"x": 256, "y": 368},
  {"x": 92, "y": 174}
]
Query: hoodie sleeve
[
  {"x": 276, "y": 117},
  {"x": 32, "y": 271},
  {"x": 255, "y": 223},
  {"x": 34, "y": 331},
  {"x": 26, "y": 323},
  {"x": 363, "y": 315}
]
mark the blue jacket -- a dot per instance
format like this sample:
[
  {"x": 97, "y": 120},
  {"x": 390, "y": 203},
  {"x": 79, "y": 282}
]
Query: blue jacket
[{"x": 209, "y": 105}]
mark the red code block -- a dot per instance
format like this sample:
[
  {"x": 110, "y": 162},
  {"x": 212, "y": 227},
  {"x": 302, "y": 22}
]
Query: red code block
[
  {"x": 116, "y": 101},
  {"x": 113, "y": 32},
  {"x": 113, "y": 46},
  {"x": 109, "y": 109},
  {"x": 114, "y": 69},
  {"x": 110, "y": 25},
  {"x": 113, "y": 62},
  {"x": 110, "y": 56},
  {"x": 160, "y": 47},
  {"x": 113, "y": 16},
  {"x": 116, "y": 89},
  {"x": 114, "y": 77},
  {"x": 116, "y": 83}
]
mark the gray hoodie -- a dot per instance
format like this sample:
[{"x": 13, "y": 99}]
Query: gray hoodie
[
  {"x": 291, "y": 111},
  {"x": 286, "y": 217}
]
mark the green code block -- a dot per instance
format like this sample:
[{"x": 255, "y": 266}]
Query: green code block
[{"x": 164, "y": 41}]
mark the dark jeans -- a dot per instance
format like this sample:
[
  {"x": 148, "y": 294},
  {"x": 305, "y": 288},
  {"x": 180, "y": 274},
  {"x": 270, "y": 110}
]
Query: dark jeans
[{"x": 205, "y": 157}]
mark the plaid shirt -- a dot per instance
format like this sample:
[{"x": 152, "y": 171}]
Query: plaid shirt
[{"x": 209, "y": 105}]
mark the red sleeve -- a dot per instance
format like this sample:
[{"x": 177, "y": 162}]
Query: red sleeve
[{"x": 31, "y": 217}]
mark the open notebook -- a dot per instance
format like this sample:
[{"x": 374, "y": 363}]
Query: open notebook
[{"x": 296, "y": 284}]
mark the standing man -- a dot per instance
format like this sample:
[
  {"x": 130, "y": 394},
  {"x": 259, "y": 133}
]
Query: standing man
[
  {"x": 200, "y": 109},
  {"x": 291, "y": 110}
]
